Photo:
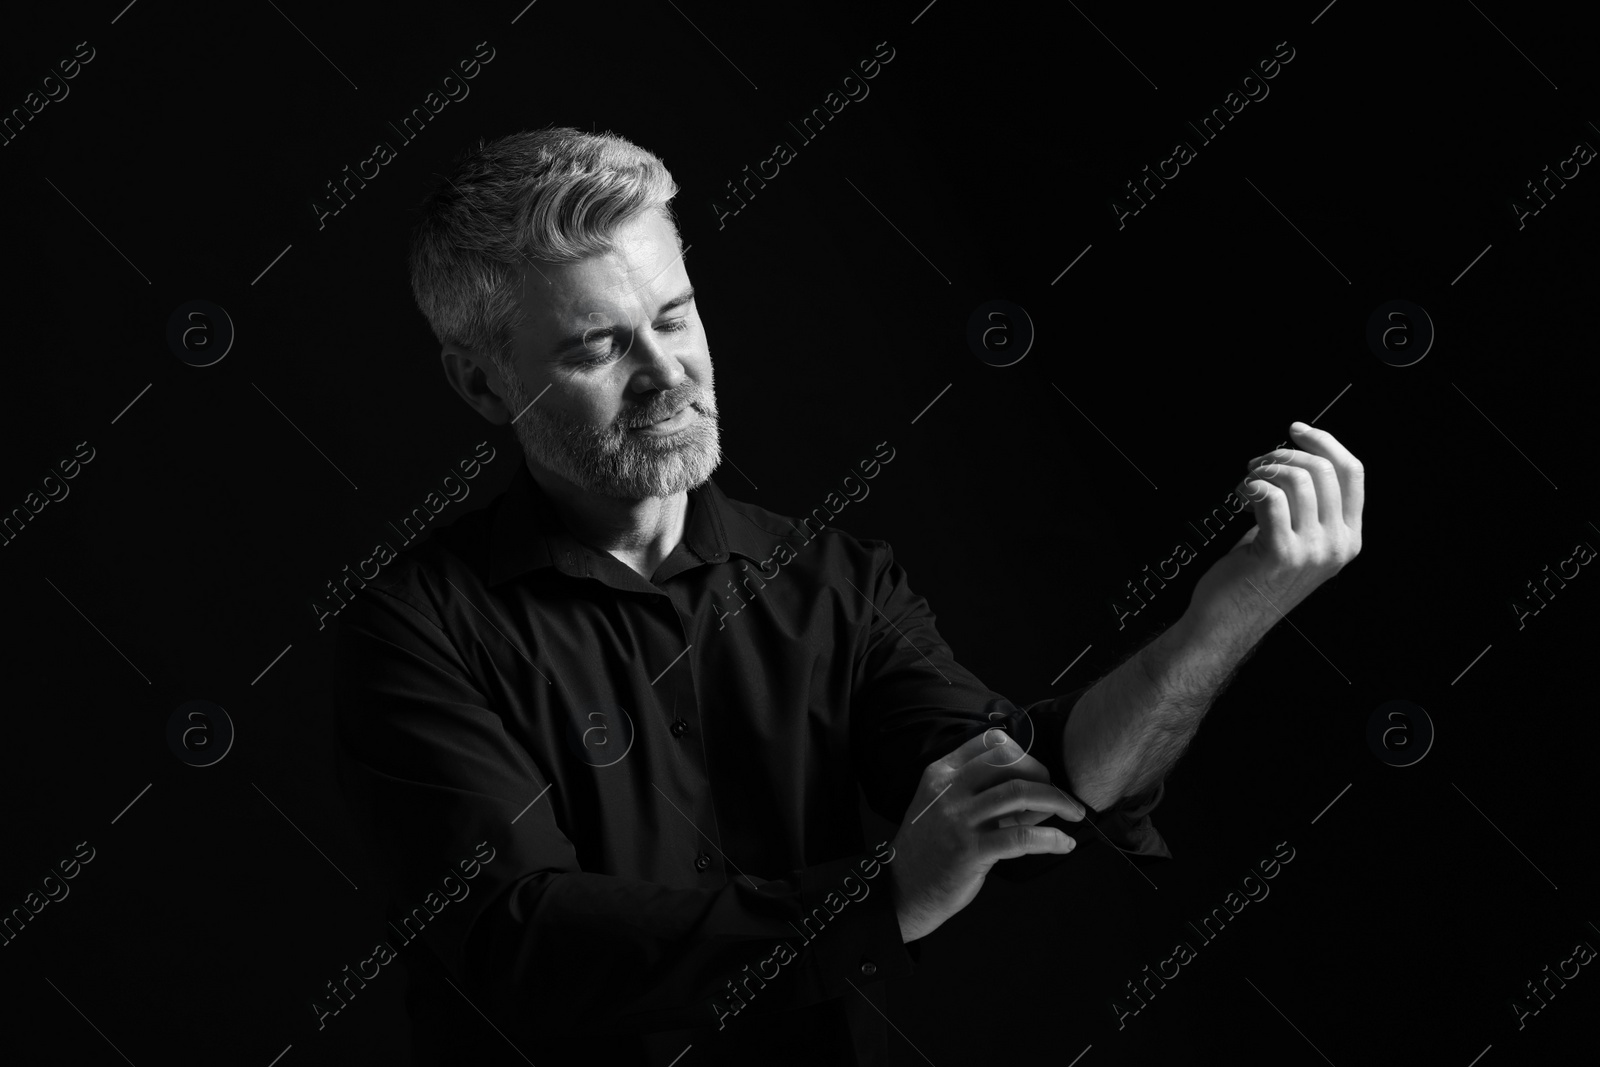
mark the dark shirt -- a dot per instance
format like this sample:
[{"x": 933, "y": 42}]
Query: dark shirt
[{"x": 653, "y": 783}]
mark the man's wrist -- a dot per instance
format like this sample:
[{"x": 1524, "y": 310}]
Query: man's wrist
[
  {"x": 904, "y": 914},
  {"x": 897, "y": 898}
]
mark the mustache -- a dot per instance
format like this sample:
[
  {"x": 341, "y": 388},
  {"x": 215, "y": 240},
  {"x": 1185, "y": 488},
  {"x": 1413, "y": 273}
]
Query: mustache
[{"x": 668, "y": 406}]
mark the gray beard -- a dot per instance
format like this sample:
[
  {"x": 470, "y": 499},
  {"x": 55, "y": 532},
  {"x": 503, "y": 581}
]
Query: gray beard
[{"x": 615, "y": 461}]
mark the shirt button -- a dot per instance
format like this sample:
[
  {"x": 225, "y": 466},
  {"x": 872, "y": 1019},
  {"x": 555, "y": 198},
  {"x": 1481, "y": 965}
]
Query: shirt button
[
  {"x": 702, "y": 861},
  {"x": 679, "y": 728},
  {"x": 868, "y": 968}
]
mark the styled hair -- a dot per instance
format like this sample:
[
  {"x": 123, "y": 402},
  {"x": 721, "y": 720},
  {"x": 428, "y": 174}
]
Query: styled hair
[{"x": 555, "y": 195}]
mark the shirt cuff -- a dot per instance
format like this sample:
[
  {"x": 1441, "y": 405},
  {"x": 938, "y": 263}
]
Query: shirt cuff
[
  {"x": 849, "y": 927},
  {"x": 1127, "y": 826}
]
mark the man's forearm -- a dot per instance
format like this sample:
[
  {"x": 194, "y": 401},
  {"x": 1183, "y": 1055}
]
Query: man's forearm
[{"x": 1126, "y": 732}]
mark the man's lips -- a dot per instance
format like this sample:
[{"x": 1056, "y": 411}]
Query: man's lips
[{"x": 664, "y": 419}]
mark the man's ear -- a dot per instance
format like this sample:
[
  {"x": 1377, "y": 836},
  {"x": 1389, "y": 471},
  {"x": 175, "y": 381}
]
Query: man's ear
[{"x": 476, "y": 381}]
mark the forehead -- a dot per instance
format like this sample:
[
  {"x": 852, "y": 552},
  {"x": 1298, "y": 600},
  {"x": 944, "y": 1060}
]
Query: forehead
[{"x": 643, "y": 270}]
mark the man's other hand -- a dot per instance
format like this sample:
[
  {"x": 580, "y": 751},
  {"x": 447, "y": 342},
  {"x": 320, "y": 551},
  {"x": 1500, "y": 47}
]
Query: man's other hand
[{"x": 978, "y": 805}]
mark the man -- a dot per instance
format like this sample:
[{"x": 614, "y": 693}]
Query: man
[{"x": 637, "y": 711}]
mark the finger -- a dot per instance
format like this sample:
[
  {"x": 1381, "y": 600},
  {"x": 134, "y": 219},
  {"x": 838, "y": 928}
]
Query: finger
[
  {"x": 1021, "y": 818},
  {"x": 1003, "y": 761},
  {"x": 1298, "y": 490},
  {"x": 1001, "y": 753},
  {"x": 993, "y": 747},
  {"x": 1271, "y": 508},
  {"x": 1352, "y": 476},
  {"x": 1324, "y": 483},
  {"x": 1019, "y": 794},
  {"x": 1014, "y": 841},
  {"x": 971, "y": 749},
  {"x": 1005, "y": 718}
]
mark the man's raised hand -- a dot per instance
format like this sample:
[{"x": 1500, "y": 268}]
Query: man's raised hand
[{"x": 1308, "y": 504}]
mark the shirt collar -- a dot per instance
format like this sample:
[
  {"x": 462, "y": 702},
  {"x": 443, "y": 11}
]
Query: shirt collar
[{"x": 526, "y": 534}]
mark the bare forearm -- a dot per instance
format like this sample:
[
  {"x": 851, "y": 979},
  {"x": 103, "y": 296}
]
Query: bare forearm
[
  {"x": 1131, "y": 727},
  {"x": 1128, "y": 730}
]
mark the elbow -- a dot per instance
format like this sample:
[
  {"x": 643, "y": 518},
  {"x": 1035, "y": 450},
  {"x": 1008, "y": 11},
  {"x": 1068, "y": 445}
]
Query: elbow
[
  {"x": 1091, "y": 780},
  {"x": 1098, "y": 795}
]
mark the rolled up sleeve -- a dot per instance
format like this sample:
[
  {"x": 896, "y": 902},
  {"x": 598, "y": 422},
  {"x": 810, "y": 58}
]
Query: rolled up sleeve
[
  {"x": 915, "y": 704},
  {"x": 1125, "y": 825}
]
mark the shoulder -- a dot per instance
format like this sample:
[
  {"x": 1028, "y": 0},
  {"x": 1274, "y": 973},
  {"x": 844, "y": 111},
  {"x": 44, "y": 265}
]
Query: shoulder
[
  {"x": 424, "y": 576},
  {"x": 811, "y": 541}
]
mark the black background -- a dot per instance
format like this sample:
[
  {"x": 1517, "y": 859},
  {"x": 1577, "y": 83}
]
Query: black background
[{"x": 981, "y": 165}]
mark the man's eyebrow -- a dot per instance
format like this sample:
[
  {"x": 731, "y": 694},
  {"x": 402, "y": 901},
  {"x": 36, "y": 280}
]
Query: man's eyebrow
[
  {"x": 567, "y": 344},
  {"x": 678, "y": 301}
]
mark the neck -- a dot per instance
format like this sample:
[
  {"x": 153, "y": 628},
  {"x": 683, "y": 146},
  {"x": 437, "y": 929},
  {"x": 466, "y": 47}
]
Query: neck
[{"x": 641, "y": 532}]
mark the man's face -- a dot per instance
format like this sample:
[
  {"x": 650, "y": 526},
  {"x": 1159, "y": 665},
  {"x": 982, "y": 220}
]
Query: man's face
[{"x": 608, "y": 347}]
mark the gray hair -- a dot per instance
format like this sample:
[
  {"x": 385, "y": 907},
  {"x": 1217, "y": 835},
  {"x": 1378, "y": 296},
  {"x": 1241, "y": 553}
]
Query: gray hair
[{"x": 555, "y": 195}]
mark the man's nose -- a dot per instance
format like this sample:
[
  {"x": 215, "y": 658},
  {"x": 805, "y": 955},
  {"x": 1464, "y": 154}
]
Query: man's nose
[{"x": 658, "y": 368}]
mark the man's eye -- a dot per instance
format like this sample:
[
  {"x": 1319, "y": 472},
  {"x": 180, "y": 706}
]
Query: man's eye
[{"x": 598, "y": 340}]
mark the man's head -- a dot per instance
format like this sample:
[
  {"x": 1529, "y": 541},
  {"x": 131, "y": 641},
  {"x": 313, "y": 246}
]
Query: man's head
[{"x": 550, "y": 268}]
